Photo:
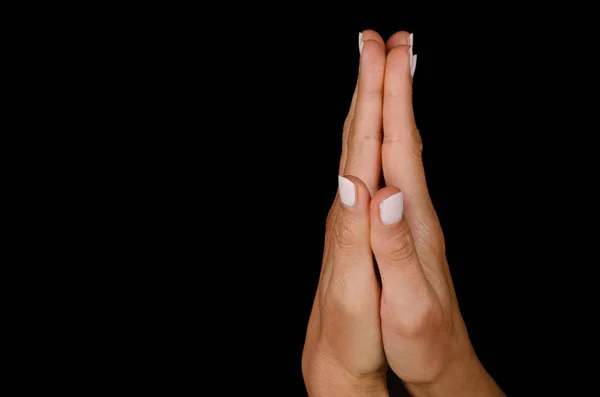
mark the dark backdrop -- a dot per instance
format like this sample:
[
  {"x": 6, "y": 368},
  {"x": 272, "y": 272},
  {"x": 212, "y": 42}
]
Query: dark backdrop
[
  {"x": 466, "y": 155},
  {"x": 504, "y": 137}
]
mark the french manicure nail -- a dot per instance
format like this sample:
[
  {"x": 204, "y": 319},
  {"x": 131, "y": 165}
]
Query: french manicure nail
[
  {"x": 413, "y": 58},
  {"x": 390, "y": 209},
  {"x": 347, "y": 191},
  {"x": 360, "y": 42}
]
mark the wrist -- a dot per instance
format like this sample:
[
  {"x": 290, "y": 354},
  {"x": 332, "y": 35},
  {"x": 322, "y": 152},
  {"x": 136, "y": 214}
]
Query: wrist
[
  {"x": 464, "y": 377},
  {"x": 327, "y": 378},
  {"x": 342, "y": 387},
  {"x": 347, "y": 391}
]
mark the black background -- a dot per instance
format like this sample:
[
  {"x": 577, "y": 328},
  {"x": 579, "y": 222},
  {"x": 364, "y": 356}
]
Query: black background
[
  {"x": 453, "y": 116},
  {"x": 213, "y": 139},
  {"x": 305, "y": 94},
  {"x": 462, "y": 131},
  {"x": 256, "y": 140}
]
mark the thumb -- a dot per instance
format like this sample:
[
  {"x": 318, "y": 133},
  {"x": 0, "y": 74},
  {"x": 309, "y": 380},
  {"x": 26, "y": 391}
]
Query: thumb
[
  {"x": 351, "y": 239},
  {"x": 351, "y": 297},
  {"x": 407, "y": 299},
  {"x": 349, "y": 259},
  {"x": 350, "y": 328}
]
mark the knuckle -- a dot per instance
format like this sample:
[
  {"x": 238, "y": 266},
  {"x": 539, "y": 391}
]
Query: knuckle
[
  {"x": 413, "y": 323},
  {"x": 374, "y": 55},
  {"x": 402, "y": 253},
  {"x": 430, "y": 235},
  {"x": 344, "y": 232},
  {"x": 416, "y": 149},
  {"x": 345, "y": 302},
  {"x": 398, "y": 248},
  {"x": 371, "y": 91}
]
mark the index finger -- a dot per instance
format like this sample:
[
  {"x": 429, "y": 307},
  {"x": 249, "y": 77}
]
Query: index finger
[
  {"x": 363, "y": 157},
  {"x": 401, "y": 149}
]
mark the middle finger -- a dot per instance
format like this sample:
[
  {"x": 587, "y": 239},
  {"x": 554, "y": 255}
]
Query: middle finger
[{"x": 363, "y": 154}]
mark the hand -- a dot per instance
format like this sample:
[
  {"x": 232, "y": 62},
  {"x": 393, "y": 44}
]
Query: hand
[
  {"x": 424, "y": 336},
  {"x": 414, "y": 313},
  {"x": 343, "y": 353}
]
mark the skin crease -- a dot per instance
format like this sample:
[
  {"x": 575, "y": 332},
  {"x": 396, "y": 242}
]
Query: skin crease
[{"x": 411, "y": 321}]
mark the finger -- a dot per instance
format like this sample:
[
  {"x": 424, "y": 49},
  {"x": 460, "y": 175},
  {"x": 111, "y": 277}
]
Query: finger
[
  {"x": 364, "y": 136},
  {"x": 407, "y": 39},
  {"x": 408, "y": 302},
  {"x": 397, "y": 39},
  {"x": 413, "y": 56},
  {"x": 347, "y": 124},
  {"x": 366, "y": 35},
  {"x": 352, "y": 290},
  {"x": 348, "y": 237},
  {"x": 401, "y": 153}
]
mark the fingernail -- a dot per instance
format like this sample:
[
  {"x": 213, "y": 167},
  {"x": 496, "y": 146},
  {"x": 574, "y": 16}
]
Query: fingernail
[
  {"x": 347, "y": 191},
  {"x": 390, "y": 209},
  {"x": 360, "y": 42},
  {"x": 413, "y": 58}
]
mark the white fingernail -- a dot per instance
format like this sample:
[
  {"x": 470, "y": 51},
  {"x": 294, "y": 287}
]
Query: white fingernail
[
  {"x": 413, "y": 58},
  {"x": 360, "y": 42},
  {"x": 390, "y": 209},
  {"x": 347, "y": 191}
]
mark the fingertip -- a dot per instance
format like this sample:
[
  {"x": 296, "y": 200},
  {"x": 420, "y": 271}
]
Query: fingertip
[
  {"x": 391, "y": 209},
  {"x": 347, "y": 191},
  {"x": 383, "y": 194},
  {"x": 354, "y": 193},
  {"x": 372, "y": 66},
  {"x": 397, "y": 39},
  {"x": 398, "y": 82},
  {"x": 372, "y": 48},
  {"x": 371, "y": 35},
  {"x": 387, "y": 206},
  {"x": 399, "y": 56}
]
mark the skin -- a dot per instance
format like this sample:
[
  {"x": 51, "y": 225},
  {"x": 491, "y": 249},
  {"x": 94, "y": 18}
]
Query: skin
[{"x": 411, "y": 320}]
